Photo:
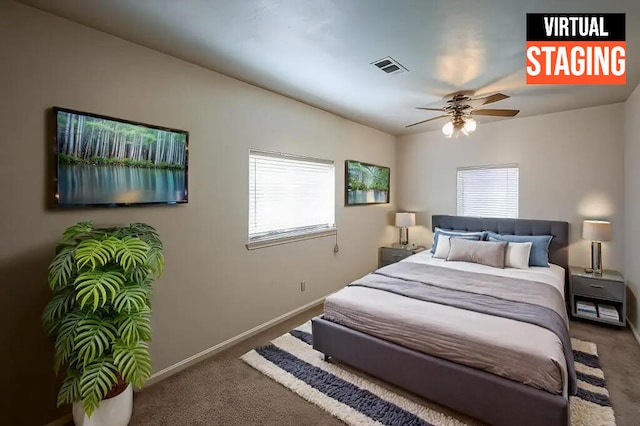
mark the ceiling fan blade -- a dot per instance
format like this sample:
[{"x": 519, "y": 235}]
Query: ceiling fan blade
[
  {"x": 478, "y": 102},
  {"x": 429, "y": 119},
  {"x": 496, "y": 112},
  {"x": 431, "y": 109},
  {"x": 494, "y": 98}
]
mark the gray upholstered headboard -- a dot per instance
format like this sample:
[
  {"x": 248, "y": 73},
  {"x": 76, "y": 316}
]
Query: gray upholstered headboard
[{"x": 558, "y": 250}]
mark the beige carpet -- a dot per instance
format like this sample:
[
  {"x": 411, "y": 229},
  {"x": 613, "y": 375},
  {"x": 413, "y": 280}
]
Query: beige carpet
[{"x": 223, "y": 390}]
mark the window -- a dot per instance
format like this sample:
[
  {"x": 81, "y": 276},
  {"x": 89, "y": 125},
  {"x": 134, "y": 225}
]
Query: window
[
  {"x": 290, "y": 198},
  {"x": 488, "y": 191}
]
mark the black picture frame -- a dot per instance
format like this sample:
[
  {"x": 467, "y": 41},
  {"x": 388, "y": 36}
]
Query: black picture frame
[
  {"x": 172, "y": 166},
  {"x": 366, "y": 183}
]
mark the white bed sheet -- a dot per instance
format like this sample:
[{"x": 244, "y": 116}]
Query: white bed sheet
[{"x": 516, "y": 350}]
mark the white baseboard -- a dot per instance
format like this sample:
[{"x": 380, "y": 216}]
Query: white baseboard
[
  {"x": 181, "y": 365},
  {"x": 62, "y": 421},
  {"x": 634, "y": 331}
]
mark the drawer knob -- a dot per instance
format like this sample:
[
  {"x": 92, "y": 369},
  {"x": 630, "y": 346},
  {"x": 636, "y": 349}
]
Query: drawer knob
[{"x": 596, "y": 286}]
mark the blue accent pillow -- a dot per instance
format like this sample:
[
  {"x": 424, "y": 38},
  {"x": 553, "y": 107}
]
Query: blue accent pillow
[
  {"x": 539, "y": 255},
  {"x": 453, "y": 233}
]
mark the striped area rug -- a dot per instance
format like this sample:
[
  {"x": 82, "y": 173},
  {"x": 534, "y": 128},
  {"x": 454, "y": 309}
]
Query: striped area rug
[{"x": 358, "y": 399}]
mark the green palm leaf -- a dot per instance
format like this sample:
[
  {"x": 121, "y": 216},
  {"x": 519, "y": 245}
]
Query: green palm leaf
[
  {"x": 130, "y": 298},
  {"x": 70, "y": 390},
  {"x": 98, "y": 287},
  {"x": 65, "y": 339},
  {"x": 76, "y": 230},
  {"x": 94, "y": 336},
  {"x": 120, "y": 233},
  {"x": 133, "y": 362},
  {"x": 62, "y": 303},
  {"x": 62, "y": 268},
  {"x": 144, "y": 231},
  {"x": 155, "y": 258},
  {"x": 132, "y": 252},
  {"x": 112, "y": 242},
  {"x": 97, "y": 379},
  {"x": 138, "y": 275},
  {"x": 147, "y": 286},
  {"x": 134, "y": 326},
  {"x": 94, "y": 253}
]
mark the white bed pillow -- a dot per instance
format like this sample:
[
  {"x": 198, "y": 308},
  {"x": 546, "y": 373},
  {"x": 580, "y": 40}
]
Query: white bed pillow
[
  {"x": 517, "y": 255},
  {"x": 443, "y": 247}
]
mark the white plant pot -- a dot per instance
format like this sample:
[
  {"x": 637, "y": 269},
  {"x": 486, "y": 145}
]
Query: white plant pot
[{"x": 114, "y": 411}]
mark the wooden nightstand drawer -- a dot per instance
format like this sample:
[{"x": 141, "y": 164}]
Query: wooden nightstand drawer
[{"x": 602, "y": 289}]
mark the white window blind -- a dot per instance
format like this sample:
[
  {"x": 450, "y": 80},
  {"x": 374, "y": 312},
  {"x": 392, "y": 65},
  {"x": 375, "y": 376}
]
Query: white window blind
[
  {"x": 490, "y": 191},
  {"x": 289, "y": 196}
]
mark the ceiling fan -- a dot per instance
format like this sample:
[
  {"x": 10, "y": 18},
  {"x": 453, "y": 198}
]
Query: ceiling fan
[{"x": 460, "y": 109}]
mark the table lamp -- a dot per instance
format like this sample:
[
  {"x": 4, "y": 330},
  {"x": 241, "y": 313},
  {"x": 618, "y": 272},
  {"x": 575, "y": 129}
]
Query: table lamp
[
  {"x": 596, "y": 231},
  {"x": 404, "y": 221}
]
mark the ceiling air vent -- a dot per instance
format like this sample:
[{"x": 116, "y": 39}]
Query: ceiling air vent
[{"x": 389, "y": 65}]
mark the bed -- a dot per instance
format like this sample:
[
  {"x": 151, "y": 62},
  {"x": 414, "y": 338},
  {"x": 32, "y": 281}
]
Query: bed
[{"x": 495, "y": 369}]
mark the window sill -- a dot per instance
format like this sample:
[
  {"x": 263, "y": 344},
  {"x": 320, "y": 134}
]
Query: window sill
[{"x": 291, "y": 239}]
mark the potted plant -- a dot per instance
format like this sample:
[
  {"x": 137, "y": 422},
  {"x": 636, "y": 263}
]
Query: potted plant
[{"x": 100, "y": 317}]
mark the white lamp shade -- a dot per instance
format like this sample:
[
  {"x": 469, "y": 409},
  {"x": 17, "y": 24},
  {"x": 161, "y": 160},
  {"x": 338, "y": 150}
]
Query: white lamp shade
[
  {"x": 405, "y": 219},
  {"x": 596, "y": 230}
]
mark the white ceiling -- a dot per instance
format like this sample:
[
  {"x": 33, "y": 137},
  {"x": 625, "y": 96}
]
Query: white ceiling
[{"x": 320, "y": 51}]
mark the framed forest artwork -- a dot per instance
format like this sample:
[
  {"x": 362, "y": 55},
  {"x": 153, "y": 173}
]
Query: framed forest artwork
[
  {"x": 366, "y": 183},
  {"x": 106, "y": 161}
]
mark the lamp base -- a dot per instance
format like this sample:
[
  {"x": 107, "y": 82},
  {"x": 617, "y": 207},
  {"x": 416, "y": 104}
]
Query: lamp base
[
  {"x": 596, "y": 257},
  {"x": 404, "y": 236}
]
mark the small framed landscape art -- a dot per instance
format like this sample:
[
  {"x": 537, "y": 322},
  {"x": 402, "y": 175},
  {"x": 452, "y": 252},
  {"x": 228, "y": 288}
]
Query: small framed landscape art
[{"x": 366, "y": 183}]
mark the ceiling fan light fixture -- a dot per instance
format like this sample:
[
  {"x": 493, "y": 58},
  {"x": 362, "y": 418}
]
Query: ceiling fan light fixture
[
  {"x": 447, "y": 130},
  {"x": 458, "y": 125},
  {"x": 470, "y": 126},
  {"x": 460, "y": 109}
]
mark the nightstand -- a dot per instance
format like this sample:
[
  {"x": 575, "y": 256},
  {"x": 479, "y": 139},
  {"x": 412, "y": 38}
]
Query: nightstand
[
  {"x": 396, "y": 252},
  {"x": 587, "y": 290}
]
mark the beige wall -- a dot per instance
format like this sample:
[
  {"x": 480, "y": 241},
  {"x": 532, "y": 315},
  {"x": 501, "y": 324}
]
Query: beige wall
[
  {"x": 571, "y": 168},
  {"x": 213, "y": 288},
  {"x": 632, "y": 205}
]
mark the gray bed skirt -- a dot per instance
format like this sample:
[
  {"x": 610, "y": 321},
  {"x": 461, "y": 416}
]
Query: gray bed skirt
[{"x": 484, "y": 396}]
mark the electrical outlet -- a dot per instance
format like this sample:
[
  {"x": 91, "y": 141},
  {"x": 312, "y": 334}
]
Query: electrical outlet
[{"x": 303, "y": 285}]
